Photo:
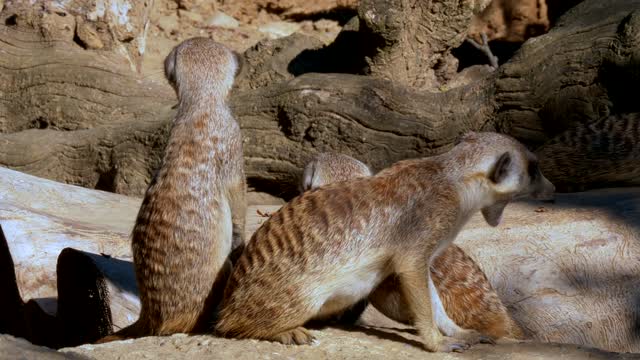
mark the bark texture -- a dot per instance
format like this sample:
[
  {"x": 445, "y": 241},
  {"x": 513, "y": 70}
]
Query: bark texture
[{"x": 105, "y": 126}]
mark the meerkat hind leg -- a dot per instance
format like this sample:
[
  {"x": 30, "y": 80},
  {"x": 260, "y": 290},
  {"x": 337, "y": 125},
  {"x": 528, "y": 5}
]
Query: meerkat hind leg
[
  {"x": 447, "y": 326},
  {"x": 415, "y": 288}
]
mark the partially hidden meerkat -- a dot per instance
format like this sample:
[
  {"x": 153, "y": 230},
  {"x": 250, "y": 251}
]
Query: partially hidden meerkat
[
  {"x": 193, "y": 213},
  {"x": 461, "y": 294},
  {"x": 604, "y": 153},
  {"x": 331, "y": 247},
  {"x": 325, "y": 168}
]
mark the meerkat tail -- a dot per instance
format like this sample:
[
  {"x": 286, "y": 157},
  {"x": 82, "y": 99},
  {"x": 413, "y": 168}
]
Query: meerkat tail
[{"x": 131, "y": 331}]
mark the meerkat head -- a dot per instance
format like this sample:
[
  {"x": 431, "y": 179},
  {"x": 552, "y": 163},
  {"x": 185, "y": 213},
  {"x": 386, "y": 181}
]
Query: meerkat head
[
  {"x": 326, "y": 168},
  {"x": 507, "y": 171},
  {"x": 201, "y": 66}
]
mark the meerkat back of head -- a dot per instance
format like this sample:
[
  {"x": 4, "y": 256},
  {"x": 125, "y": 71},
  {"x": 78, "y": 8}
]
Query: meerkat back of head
[
  {"x": 330, "y": 247},
  {"x": 201, "y": 68},
  {"x": 326, "y": 168},
  {"x": 193, "y": 212}
]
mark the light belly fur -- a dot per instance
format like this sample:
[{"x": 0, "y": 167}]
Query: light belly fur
[{"x": 353, "y": 281}]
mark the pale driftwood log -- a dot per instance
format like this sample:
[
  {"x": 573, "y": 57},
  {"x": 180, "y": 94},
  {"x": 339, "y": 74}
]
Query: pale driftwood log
[
  {"x": 41, "y": 217},
  {"x": 105, "y": 126}
]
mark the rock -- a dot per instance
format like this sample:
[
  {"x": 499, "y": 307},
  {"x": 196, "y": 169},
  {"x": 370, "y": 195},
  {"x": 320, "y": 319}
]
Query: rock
[
  {"x": 167, "y": 23},
  {"x": 16, "y": 348},
  {"x": 118, "y": 26},
  {"x": 191, "y": 5},
  {"x": 223, "y": 20},
  {"x": 88, "y": 35},
  {"x": 511, "y": 20},
  {"x": 278, "y": 29},
  {"x": 193, "y": 16}
]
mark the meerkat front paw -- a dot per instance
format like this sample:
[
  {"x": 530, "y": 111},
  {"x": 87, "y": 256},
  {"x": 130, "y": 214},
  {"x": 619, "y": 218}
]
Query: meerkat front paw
[
  {"x": 473, "y": 337},
  {"x": 297, "y": 336}
]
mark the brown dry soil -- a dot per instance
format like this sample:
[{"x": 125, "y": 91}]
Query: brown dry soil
[{"x": 360, "y": 343}]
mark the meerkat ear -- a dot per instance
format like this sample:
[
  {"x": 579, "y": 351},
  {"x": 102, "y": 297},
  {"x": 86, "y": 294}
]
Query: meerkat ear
[
  {"x": 501, "y": 168},
  {"x": 307, "y": 176},
  {"x": 170, "y": 67},
  {"x": 239, "y": 61}
]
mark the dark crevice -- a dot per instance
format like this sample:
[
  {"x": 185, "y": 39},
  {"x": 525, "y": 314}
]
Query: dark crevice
[
  {"x": 40, "y": 123},
  {"x": 555, "y": 9},
  {"x": 285, "y": 187},
  {"x": 77, "y": 40},
  {"x": 341, "y": 14},
  {"x": 107, "y": 181},
  {"x": 11, "y": 20},
  {"x": 468, "y": 55},
  {"x": 347, "y": 54}
]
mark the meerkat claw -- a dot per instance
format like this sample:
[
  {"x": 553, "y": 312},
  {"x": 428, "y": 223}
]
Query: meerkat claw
[
  {"x": 453, "y": 345},
  {"x": 297, "y": 336}
]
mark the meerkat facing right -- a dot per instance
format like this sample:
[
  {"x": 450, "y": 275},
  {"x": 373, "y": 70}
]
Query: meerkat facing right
[
  {"x": 193, "y": 213},
  {"x": 332, "y": 246},
  {"x": 461, "y": 294}
]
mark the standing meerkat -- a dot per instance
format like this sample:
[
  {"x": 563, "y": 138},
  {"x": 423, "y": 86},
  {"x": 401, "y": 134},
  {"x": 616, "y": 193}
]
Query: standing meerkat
[
  {"x": 193, "y": 213},
  {"x": 331, "y": 247},
  {"x": 461, "y": 294}
]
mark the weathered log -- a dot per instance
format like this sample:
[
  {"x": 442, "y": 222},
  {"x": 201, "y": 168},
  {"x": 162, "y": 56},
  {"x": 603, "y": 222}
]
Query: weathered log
[
  {"x": 411, "y": 40},
  {"x": 106, "y": 125}
]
